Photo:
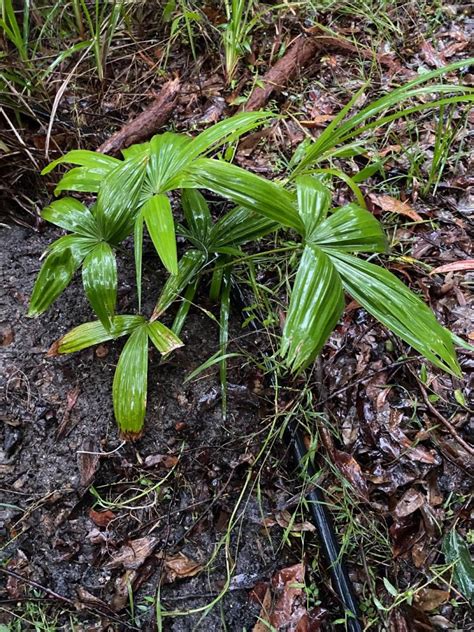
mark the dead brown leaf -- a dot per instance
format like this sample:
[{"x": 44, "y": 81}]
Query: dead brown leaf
[
  {"x": 432, "y": 57},
  {"x": 167, "y": 460},
  {"x": 6, "y": 335},
  {"x": 455, "y": 266},
  {"x": 64, "y": 427},
  {"x": 289, "y": 603},
  {"x": 352, "y": 471},
  {"x": 180, "y": 566},
  {"x": 284, "y": 519},
  {"x": 101, "y": 518},
  {"x": 430, "y": 598},
  {"x": 133, "y": 554},
  {"x": 262, "y": 625},
  {"x": 88, "y": 461},
  {"x": 392, "y": 205},
  {"x": 411, "y": 500}
]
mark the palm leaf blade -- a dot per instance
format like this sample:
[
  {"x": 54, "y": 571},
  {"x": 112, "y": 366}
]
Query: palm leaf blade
[{"x": 384, "y": 296}]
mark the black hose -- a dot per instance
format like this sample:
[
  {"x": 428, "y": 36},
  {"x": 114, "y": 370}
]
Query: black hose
[{"x": 321, "y": 516}]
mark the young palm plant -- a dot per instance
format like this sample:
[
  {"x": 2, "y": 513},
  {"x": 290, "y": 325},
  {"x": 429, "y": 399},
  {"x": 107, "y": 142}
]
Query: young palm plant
[{"x": 133, "y": 193}]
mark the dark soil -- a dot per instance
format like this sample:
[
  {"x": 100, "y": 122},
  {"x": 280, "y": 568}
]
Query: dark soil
[
  {"x": 94, "y": 521},
  {"x": 46, "y": 522}
]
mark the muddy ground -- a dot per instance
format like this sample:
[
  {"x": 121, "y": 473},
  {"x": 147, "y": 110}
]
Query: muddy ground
[
  {"x": 91, "y": 529},
  {"x": 46, "y": 521}
]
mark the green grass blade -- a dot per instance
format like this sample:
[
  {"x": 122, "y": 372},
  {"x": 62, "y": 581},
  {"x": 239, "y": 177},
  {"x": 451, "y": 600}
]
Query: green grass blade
[
  {"x": 129, "y": 390},
  {"x": 384, "y": 296},
  {"x": 189, "y": 267},
  {"x": 99, "y": 276},
  {"x": 224, "y": 337},
  {"x": 159, "y": 221}
]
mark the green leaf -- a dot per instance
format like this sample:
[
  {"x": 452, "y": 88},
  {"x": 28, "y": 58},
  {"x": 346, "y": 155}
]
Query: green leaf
[
  {"x": 142, "y": 149},
  {"x": 314, "y": 199},
  {"x": 351, "y": 229},
  {"x": 189, "y": 267},
  {"x": 163, "y": 338},
  {"x": 159, "y": 221},
  {"x": 94, "y": 333},
  {"x": 129, "y": 390},
  {"x": 72, "y": 215},
  {"x": 240, "y": 226},
  {"x": 244, "y": 189},
  {"x": 168, "y": 155},
  {"x": 456, "y": 550},
  {"x": 340, "y": 131},
  {"x": 65, "y": 256},
  {"x": 226, "y": 131},
  {"x": 183, "y": 309},
  {"x": 79, "y": 245},
  {"x": 316, "y": 304},
  {"x": 217, "y": 358},
  {"x": 198, "y": 217},
  {"x": 384, "y": 296},
  {"x": 138, "y": 252},
  {"x": 120, "y": 197},
  {"x": 99, "y": 276},
  {"x": 80, "y": 179},
  {"x": 84, "y": 158}
]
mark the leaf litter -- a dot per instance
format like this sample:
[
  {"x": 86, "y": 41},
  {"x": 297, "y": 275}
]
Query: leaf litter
[{"x": 408, "y": 474}]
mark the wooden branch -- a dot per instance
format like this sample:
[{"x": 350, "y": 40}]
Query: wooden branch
[
  {"x": 297, "y": 56},
  {"x": 300, "y": 53},
  {"x": 147, "y": 123}
]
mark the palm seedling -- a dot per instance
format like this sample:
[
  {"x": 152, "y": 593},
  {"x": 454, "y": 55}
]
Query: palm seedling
[{"x": 133, "y": 193}]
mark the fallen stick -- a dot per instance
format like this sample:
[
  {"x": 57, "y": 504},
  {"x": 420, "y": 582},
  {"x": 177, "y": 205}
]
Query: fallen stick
[
  {"x": 147, "y": 123},
  {"x": 297, "y": 56},
  {"x": 300, "y": 53}
]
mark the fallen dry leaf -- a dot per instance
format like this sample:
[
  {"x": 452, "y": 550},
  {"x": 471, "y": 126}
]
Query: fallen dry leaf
[
  {"x": 167, "y": 460},
  {"x": 455, "y": 266},
  {"x": 64, "y": 427},
  {"x": 411, "y": 500},
  {"x": 352, "y": 471},
  {"x": 430, "y": 598},
  {"x": 6, "y": 335},
  {"x": 133, "y": 554},
  {"x": 392, "y": 205},
  {"x": 88, "y": 461},
  {"x": 284, "y": 519},
  {"x": 289, "y": 603},
  {"x": 262, "y": 625},
  {"x": 180, "y": 566},
  {"x": 122, "y": 584},
  {"x": 101, "y": 518}
]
